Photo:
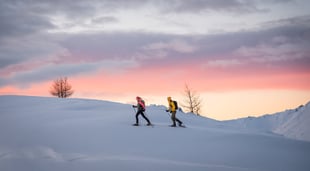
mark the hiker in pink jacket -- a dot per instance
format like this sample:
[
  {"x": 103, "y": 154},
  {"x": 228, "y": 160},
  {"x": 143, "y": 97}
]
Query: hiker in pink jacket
[{"x": 141, "y": 108}]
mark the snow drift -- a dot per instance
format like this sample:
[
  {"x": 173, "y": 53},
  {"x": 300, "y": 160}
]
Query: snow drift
[
  {"x": 293, "y": 123},
  {"x": 42, "y": 134}
]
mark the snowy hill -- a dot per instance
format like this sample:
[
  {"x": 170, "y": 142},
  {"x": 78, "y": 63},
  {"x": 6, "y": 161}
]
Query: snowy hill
[
  {"x": 294, "y": 123},
  {"x": 42, "y": 134}
]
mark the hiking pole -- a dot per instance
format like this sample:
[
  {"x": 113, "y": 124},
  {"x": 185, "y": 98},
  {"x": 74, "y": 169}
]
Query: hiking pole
[{"x": 168, "y": 113}]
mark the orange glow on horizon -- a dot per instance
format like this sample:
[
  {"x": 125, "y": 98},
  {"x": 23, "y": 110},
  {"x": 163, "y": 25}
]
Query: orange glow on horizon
[{"x": 156, "y": 84}]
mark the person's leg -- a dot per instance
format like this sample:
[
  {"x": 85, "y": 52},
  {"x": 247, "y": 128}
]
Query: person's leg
[
  {"x": 179, "y": 121},
  {"x": 137, "y": 119},
  {"x": 176, "y": 119},
  {"x": 173, "y": 118},
  {"x": 148, "y": 121}
]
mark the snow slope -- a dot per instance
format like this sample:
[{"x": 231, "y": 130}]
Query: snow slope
[
  {"x": 294, "y": 123},
  {"x": 42, "y": 134}
]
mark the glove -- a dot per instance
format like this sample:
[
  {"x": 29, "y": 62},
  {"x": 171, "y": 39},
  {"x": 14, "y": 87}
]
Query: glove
[{"x": 167, "y": 110}]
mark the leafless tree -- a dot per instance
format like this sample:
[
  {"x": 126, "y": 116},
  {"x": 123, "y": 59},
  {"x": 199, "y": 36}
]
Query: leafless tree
[
  {"x": 192, "y": 102},
  {"x": 61, "y": 88}
]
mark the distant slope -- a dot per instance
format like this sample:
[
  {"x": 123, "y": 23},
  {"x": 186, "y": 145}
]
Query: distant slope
[
  {"x": 294, "y": 123},
  {"x": 297, "y": 126}
]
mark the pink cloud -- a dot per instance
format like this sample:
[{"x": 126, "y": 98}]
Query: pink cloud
[{"x": 171, "y": 78}]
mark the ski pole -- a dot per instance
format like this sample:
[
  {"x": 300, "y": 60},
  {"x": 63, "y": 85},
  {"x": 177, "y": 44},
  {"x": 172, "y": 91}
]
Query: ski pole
[{"x": 168, "y": 113}]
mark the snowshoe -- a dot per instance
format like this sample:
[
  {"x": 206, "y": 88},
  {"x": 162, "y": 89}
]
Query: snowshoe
[{"x": 181, "y": 125}]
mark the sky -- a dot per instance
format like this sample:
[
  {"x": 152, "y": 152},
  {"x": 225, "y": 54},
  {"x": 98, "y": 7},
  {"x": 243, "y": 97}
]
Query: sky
[{"x": 243, "y": 58}]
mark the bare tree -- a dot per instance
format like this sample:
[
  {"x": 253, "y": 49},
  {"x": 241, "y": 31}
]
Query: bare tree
[
  {"x": 61, "y": 88},
  {"x": 192, "y": 102}
]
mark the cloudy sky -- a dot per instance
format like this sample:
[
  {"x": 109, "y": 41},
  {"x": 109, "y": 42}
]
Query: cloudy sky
[{"x": 244, "y": 57}]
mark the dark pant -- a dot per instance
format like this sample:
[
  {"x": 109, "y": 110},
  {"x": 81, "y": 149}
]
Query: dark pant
[
  {"x": 140, "y": 112},
  {"x": 174, "y": 118}
]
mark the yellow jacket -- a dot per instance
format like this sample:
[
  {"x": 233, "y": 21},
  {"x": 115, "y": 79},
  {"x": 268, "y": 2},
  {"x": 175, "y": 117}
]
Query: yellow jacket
[{"x": 171, "y": 105}]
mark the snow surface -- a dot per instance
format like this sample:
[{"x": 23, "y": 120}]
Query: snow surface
[
  {"x": 42, "y": 134},
  {"x": 293, "y": 123}
]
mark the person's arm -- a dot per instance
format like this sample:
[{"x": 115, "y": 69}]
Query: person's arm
[{"x": 170, "y": 107}]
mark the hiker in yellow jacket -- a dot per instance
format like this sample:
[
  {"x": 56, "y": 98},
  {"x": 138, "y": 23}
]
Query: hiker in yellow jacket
[{"x": 173, "y": 111}]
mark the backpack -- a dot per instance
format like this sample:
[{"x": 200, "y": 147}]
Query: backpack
[
  {"x": 142, "y": 105},
  {"x": 175, "y": 105}
]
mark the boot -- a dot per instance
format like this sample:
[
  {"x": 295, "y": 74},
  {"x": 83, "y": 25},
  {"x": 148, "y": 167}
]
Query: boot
[{"x": 180, "y": 123}]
